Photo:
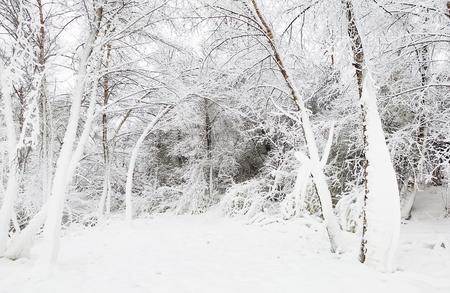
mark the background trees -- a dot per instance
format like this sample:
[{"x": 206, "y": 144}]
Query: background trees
[{"x": 80, "y": 83}]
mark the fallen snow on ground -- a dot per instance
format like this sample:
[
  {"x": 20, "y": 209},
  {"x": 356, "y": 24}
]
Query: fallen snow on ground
[{"x": 214, "y": 254}]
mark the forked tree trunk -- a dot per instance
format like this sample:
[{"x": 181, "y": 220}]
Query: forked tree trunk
[
  {"x": 22, "y": 242},
  {"x": 52, "y": 227}
]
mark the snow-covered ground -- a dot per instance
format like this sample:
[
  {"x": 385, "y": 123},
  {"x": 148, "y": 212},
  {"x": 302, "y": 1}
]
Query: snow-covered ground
[{"x": 214, "y": 254}]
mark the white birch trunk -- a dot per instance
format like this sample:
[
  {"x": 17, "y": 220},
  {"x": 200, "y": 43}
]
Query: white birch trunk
[
  {"x": 319, "y": 178},
  {"x": 305, "y": 173},
  {"x": 382, "y": 205},
  {"x": 23, "y": 242},
  {"x": 64, "y": 166}
]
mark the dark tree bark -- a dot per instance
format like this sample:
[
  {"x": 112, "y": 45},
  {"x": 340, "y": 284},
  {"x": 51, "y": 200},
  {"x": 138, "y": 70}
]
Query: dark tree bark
[
  {"x": 358, "y": 64},
  {"x": 208, "y": 146}
]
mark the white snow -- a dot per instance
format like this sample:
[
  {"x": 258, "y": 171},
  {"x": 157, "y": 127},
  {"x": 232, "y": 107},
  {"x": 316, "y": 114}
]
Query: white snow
[
  {"x": 211, "y": 253},
  {"x": 425, "y": 236}
]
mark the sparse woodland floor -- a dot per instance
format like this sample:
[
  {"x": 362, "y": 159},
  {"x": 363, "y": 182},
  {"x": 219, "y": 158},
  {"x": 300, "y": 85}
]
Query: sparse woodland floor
[{"x": 214, "y": 254}]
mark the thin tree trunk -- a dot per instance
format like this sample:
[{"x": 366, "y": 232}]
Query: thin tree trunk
[
  {"x": 52, "y": 226},
  {"x": 134, "y": 154},
  {"x": 106, "y": 193},
  {"x": 22, "y": 242},
  {"x": 208, "y": 144},
  {"x": 358, "y": 63},
  {"x": 44, "y": 105},
  {"x": 333, "y": 229},
  {"x": 415, "y": 177},
  {"x": 381, "y": 209}
]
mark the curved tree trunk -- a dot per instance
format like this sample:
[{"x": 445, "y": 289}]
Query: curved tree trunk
[{"x": 134, "y": 154}]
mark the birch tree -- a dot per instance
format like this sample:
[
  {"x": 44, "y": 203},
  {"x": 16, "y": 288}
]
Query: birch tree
[
  {"x": 62, "y": 177},
  {"x": 381, "y": 211},
  {"x": 251, "y": 15}
]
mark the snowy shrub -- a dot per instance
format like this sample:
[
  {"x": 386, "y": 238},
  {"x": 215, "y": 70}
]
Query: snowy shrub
[
  {"x": 246, "y": 198},
  {"x": 160, "y": 200},
  {"x": 349, "y": 209},
  {"x": 79, "y": 209}
]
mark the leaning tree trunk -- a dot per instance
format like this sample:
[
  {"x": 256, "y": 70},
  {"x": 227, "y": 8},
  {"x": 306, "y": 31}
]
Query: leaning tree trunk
[
  {"x": 52, "y": 227},
  {"x": 381, "y": 210},
  {"x": 22, "y": 242},
  {"x": 319, "y": 178}
]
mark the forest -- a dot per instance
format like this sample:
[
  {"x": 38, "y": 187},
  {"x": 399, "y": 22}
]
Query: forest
[{"x": 224, "y": 146}]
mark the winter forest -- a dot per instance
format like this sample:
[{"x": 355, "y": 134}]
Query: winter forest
[{"x": 224, "y": 146}]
